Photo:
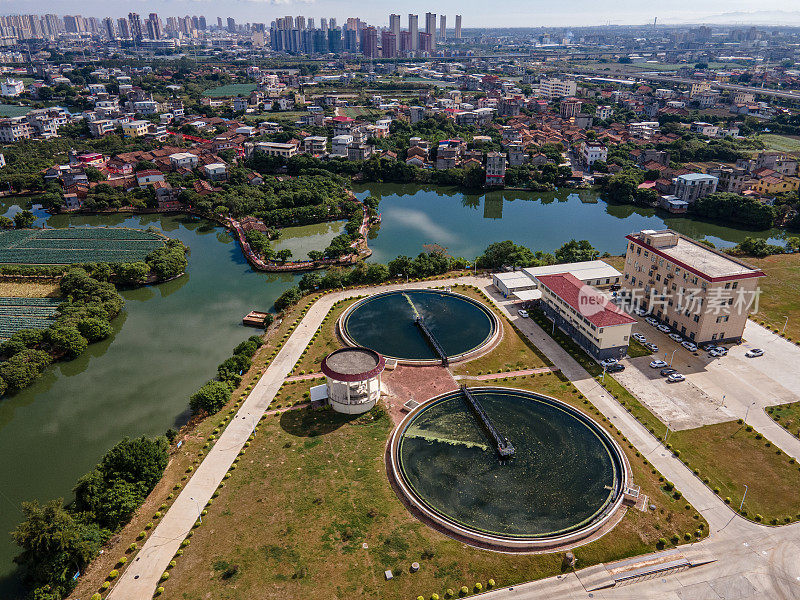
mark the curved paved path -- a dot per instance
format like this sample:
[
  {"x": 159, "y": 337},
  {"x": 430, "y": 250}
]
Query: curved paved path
[{"x": 755, "y": 556}]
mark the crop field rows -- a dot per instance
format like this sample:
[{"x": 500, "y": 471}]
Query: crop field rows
[
  {"x": 26, "y": 313},
  {"x": 75, "y": 245}
]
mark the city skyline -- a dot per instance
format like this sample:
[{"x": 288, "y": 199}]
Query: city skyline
[{"x": 515, "y": 13}]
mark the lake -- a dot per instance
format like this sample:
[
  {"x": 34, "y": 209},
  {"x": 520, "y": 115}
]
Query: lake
[{"x": 170, "y": 337}]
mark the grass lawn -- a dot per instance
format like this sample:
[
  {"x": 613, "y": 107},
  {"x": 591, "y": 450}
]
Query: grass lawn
[
  {"x": 309, "y": 513},
  {"x": 324, "y": 341},
  {"x": 780, "y": 292},
  {"x": 293, "y": 393},
  {"x": 782, "y": 143},
  {"x": 232, "y": 89},
  {"x": 635, "y": 349},
  {"x": 787, "y": 416},
  {"x": 728, "y": 456},
  {"x": 29, "y": 288}
]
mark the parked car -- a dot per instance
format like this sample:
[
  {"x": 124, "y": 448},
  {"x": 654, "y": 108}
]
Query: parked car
[
  {"x": 640, "y": 312},
  {"x": 607, "y": 362},
  {"x": 664, "y": 328},
  {"x": 717, "y": 351},
  {"x": 639, "y": 338},
  {"x": 658, "y": 364},
  {"x": 675, "y": 378},
  {"x": 615, "y": 368},
  {"x": 651, "y": 347},
  {"x": 652, "y": 321},
  {"x": 708, "y": 346},
  {"x": 676, "y": 337},
  {"x": 689, "y": 346},
  {"x": 755, "y": 352},
  {"x": 668, "y": 371},
  {"x": 523, "y": 313}
]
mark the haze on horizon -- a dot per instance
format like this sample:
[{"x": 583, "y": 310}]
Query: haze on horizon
[{"x": 509, "y": 13}]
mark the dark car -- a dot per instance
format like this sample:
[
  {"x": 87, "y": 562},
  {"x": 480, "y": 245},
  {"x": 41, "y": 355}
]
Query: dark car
[
  {"x": 668, "y": 371},
  {"x": 615, "y": 368}
]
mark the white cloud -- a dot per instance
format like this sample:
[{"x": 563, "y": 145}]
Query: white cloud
[{"x": 419, "y": 221}]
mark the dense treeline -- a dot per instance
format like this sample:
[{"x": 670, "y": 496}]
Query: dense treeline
[
  {"x": 59, "y": 540},
  {"x": 734, "y": 209}
]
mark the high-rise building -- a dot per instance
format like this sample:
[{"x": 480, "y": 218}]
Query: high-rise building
[
  {"x": 458, "y": 27},
  {"x": 153, "y": 27},
  {"x": 332, "y": 23},
  {"x": 231, "y": 25},
  {"x": 425, "y": 43},
  {"x": 389, "y": 44},
  {"x": 135, "y": 25},
  {"x": 108, "y": 27},
  {"x": 201, "y": 23},
  {"x": 300, "y": 23},
  {"x": 369, "y": 42},
  {"x": 72, "y": 24},
  {"x": 394, "y": 27},
  {"x": 413, "y": 22},
  {"x": 405, "y": 42},
  {"x": 124, "y": 29},
  {"x": 323, "y": 24},
  {"x": 430, "y": 27},
  {"x": 219, "y": 23},
  {"x": 334, "y": 39},
  {"x": 442, "y": 28}
]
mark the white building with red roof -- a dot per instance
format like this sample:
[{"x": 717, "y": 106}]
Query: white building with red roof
[{"x": 586, "y": 315}]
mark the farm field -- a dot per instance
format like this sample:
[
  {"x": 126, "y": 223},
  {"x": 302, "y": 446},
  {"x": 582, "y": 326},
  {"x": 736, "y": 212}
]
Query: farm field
[
  {"x": 782, "y": 143},
  {"x": 26, "y": 313},
  {"x": 76, "y": 245},
  {"x": 233, "y": 89}
]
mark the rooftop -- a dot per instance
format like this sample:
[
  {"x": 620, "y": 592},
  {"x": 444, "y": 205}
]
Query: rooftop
[
  {"x": 586, "y": 300},
  {"x": 585, "y": 270},
  {"x": 693, "y": 256},
  {"x": 353, "y": 364}
]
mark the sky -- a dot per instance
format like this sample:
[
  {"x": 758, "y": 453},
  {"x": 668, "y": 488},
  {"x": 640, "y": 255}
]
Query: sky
[{"x": 476, "y": 13}]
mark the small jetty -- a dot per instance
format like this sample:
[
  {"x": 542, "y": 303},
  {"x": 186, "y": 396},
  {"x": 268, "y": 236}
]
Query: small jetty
[
  {"x": 255, "y": 318},
  {"x": 432, "y": 341},
  {"x": 504, "y": 447}
]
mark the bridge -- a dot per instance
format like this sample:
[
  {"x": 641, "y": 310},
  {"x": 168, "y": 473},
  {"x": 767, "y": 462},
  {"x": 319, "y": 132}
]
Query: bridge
[
  {"x": 431, "y": 339},
  {"x": 504, "y": 447}
]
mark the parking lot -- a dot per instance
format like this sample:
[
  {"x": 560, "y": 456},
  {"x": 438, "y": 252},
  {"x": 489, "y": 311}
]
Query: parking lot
[{"x": 715, "y": 389}]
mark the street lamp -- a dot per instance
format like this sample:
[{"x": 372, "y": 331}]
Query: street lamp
[
  {"x": 666, "y": 435},
  {"x": 741, "y": 504},
  {"x": 785, "y": 323},
  {"x": 199, "y": 512},
  {"x": 671, "y": 357},
  {"x": 747, "y": 412}
]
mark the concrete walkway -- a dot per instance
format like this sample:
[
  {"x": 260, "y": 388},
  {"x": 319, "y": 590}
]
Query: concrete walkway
[
  {"x": 141, "y": 577},
  {"x": 522, "y": 373},
  {"x": 755, "y": 561}
]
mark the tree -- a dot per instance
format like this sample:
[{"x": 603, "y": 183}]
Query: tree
[
  {"x": 132, "y": 273},
  {"x": 505, "y": 254},
  {"x": 24, "y": 219},
  {"x": 400, "y": 267},
  {"x": 287, "y": 298},
  {"x": 210, "y": 398},
  {"x": 93, "y": 174},
  {"x": 136, "y": 460},
  {"x": 757, "y": 247},
  {"x": 66, "y": 340},
  {"x": 168, "y": 261},
  {"x": 22, "y": 368},
  {"x": 573, "y": 251},
  {"x": 283, "y": 255},
  {"x": 310, "y": 281},
  {"x": 734, "y": 208},
  {"x": 95, "y": 329},
  {"x": 54, "y": 545}
]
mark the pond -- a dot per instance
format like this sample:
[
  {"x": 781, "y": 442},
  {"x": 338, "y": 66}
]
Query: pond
[
  {"x": 307, "y": 238},
  {"x": 465, "y": 224}
]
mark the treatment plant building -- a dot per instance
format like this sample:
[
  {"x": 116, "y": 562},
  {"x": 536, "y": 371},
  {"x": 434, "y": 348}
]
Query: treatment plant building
[{"x": 353, "y": 379}]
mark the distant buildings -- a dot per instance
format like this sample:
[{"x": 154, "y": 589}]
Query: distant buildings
[
  {"x": 552, "y": 87},
  {"x": 693, "y": 186},
  {"x": 495, "y": 168},
  {"x": 12, "y": 87},
  {"x": 591, "y": 153}
]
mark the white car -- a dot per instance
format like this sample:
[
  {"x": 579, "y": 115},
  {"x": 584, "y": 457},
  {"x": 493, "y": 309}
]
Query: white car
[
  {"x": 689, "y": 346},
  {"x": 639, "y": 338},
  {"x": 714, "y": 353},
  {"x": 652, "y": 321},
  {"x": 676, "y": 337},
  {"x": 651, "y": 347},
  {"x": 721, "y": 351},
  {"x": 658, "y": 364},
  {"x": 523, "y": 313},
  {"x": 664, "y": 328},
  {"x": 754, "y": 353},
  {"x": 675, "y": 378},
  {"x": 608, "y": 362},
  {"x": 640, "y": 312}
]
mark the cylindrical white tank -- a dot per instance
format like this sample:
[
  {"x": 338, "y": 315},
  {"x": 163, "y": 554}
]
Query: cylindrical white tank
[{"x": 353, "y": 379}]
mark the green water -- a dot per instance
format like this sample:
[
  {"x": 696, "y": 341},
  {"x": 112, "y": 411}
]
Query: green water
[
  {"x": 385, "y": 323},
  {"x": 306, "y": 238},
  {"x": 171, "y": 337},
  {"x": 465, "y": 224},
  {"x": 564, "y": 474},
  {"x": 166, "y": 344}
]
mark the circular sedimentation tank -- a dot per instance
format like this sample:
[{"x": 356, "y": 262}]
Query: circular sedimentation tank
[
  {"x": 385, "y": 323},
  {"x": 564, "y": 483}
]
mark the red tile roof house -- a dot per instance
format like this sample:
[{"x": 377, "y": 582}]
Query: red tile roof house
[{"x": 601, "y": 328}]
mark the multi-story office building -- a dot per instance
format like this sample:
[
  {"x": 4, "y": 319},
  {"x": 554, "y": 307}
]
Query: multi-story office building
[
  {"x": 586, "y": 315},
  {"x": 413, "y": 23},
  {"x": 442, "y": 28},
  {"x": 458, "y": 27},
  {"x": 702, "y": 293}
]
